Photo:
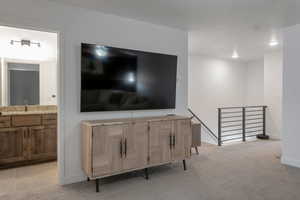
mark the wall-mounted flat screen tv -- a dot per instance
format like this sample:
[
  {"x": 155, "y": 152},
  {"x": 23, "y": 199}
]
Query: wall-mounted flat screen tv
[{"x": 115, "y": 79}]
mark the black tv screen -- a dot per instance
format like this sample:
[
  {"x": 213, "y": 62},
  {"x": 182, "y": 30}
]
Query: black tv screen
[{"x": 114, "y": 79}]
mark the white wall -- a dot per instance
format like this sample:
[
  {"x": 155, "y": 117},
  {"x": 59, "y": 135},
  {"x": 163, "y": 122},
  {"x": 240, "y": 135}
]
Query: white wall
[
  {"x": 48, "y": 83},
  {"x": 215, "y": 83},
  {"x": 77, "y": 25},
  {"x": 3, "y": 80},
  {"x": 255, "y": 82},
  {"x": 291, "y": 97},
  {"x": 273, "y": 92}
]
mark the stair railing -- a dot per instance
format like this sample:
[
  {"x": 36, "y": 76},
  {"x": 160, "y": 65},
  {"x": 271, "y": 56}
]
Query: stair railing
[
  {"x": 241, "y": 123},
  {"x": 211, "y": 133}
]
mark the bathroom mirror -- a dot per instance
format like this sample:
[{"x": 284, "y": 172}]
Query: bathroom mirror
[
  {"x": 27, "y": 83},
  {"x": 23, "y": 84}
]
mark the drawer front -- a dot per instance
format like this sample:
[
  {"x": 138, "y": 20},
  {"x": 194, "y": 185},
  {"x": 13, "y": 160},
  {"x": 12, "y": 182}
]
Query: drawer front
[
  {"x": 50, "y": 119},
  {"x": 4, "y": 121},
  {"x": 26, "y": 120},
  {"x": 50, "y": 116}
]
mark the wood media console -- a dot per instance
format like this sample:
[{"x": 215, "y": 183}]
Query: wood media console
[{"x": 116, "y": 146}]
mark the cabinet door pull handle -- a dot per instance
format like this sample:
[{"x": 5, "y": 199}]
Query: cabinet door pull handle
[
  {"x": 170, "y": 137},
  {"x": 125, "y": 147},
  {"x": 174, "y": 141},
  {"x": 121, "y": 149}
]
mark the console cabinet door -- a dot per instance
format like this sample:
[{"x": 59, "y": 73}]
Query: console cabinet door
[
  {"x": 159, "y": 142},
  {"x": 182, "y": 139},
  {"x": 136, "y": 143},
  {"x": 106, "y": 149},
  {"x": 12, "y": 145}
]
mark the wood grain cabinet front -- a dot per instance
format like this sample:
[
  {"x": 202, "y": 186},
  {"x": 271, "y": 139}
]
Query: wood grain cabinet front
[
  {"x": 26, "y": 120},
  {"x": 135, "y": 146},
  {"x": 107, "y": 149},
  {"x": 160, "y": 141},
  {"x": 169, "y": 141},
  {"x": 182, "y": 139},
  {"x": 12, "y": 145},
  {"x": 27, "y": 140},
  {"x": 49, "y": 119},
  {"x": 42, "y": 142},
  {"x": 112, "y": 147},
  {"x": 120, "y": 147},
  {"x": 4, "y": 121}
]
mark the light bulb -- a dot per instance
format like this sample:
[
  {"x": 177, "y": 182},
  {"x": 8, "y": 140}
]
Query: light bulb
[
  {"x": 235, "y": 55},
  {"x": 273, "y": 43}
]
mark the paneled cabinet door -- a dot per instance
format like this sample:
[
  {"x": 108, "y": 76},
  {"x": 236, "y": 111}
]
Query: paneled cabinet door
[
  {"x": 135, "y": 145},
  {"x": 107, "y": 149},
  {"x": 181, "y": 140},
  {"x": 37, "y": 143},
  {"x": 50, "y": 141},
  {"x": 12, "y": 145},
  {"x": 160, "y": 142}
]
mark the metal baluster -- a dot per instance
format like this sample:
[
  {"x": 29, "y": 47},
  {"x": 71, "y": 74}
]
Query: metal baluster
[{"x": 219, "y": 127}]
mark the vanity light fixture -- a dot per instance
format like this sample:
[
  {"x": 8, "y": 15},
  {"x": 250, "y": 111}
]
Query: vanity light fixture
[{"x": 25, "y": 43}]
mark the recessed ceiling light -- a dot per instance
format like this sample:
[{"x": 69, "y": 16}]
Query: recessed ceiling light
[
  {"x": 273, "y": 43},
  {"x": 235, "y": 55}
]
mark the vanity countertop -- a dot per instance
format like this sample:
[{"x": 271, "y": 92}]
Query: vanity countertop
[
  {"x": 28, "y": 110},
  {"x": 40, "y": 112}
]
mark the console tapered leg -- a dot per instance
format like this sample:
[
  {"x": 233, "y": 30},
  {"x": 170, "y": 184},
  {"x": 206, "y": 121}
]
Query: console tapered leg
[
  {"x": 184, "y": 165},
  {"x": 196, "y": 148},
  {"x": 97, "y": 185},
  {"x": 146, "y": 173}
]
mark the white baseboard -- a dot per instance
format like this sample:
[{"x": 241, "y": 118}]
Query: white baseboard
[{"x": 290, "y": 161}]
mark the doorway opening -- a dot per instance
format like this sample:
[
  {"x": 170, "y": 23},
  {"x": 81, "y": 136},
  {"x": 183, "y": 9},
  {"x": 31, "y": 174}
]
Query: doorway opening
[{"x": 29, "y": 108}]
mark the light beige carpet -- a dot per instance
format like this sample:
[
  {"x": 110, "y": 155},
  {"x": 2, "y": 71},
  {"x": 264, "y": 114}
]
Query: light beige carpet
[{"x": 236, "y": 172}]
